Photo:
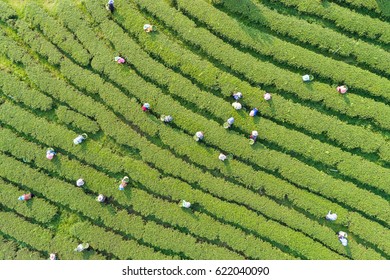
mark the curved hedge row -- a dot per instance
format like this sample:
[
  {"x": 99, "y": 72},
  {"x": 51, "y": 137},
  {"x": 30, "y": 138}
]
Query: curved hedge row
[
  {"x": 9, "y": 250},
  {"x": 37, "y": 42},
  {"x": 130, "y": 112},
  {"x": 176, "y": 57},
  {"x": 350, "y": 136},
  {"x": 160, "y": 161},
  {"x": 221, "y": 209},
  {"x": 84, "y": 102},
  {"x": 130, "y": 171},
  {"x": 328, "y": 41},
  {"x": 265, "y": 73},
  {"x": 284, "y": 52},
  {"x": 256, "y": 205},
  {"x": 74, "y": 119},
  {"x": 141, "y": 120},
  {"x": 20, "y": 229},
  {"x": 37, "y": 208},
  {"x": 179, "y": 142},
  {"x": 69, "y": 196},
  {"x": 15, "y": 89},
  {"x": 6, "y": 12},
  {"x": 56, "y": 32},
  {"x": 38, "y": 238},
  {"x": 216, "y": 134},
  {"x": 72, "y": 171},
  {"x": 114, "y": 244},
  {"x": 370, "y": 5},
  {"x": 344, "y": 18},
  {"x": 99, "y": 183}
]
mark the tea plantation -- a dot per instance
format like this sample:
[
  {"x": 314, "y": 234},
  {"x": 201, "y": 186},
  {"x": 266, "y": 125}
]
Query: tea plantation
[{"x": 317, "y": 149}]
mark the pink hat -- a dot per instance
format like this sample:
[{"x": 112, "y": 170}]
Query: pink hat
[
  {"x": 267, "y": 96},
  {"x": 342, "y": 89}
]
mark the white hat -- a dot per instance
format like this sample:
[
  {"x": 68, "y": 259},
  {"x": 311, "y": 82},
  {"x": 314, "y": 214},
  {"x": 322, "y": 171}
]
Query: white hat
[
  {"x": 344, "y": 241},
  {"x": 230, "y": 120},
  {"x": 221, "y": 157},
  {"x": 331, "y": 216},
  {"x": 255, "y": 133},
  {"x": 267, "y": 96},
  {"x": 80, "y": 182},
  {"x": 199, "y": 134},
  {"x": 237, "y": 105},
  {"x": 186, "y": 204}
]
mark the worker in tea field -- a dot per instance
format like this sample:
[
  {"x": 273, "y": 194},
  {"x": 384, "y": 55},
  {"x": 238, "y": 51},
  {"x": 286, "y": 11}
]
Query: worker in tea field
[
  {"x": 145, "y": 107},
  {"x": 25, "y": 197},
  {"x": 198, "y": 136},
  {"x": 253, "y": 112},
  {"x": 236, "y": 105},
  {"x": 124, "y": 183},
  {"x": 119, "y": 59},
  {"x": 267, "y": 96},
  {"x": 166, "y": 119},
  {"x": 307, "y": 78},
  {"x": 148, "y": 28},
  {"x": 253, "y": 137},
  {"x": 80, "y": 182},
  {"x": 228, "y": 123},
  {"x": 50, "y": 153},
  {"x": 342, "y": 89},
  {"x": 343, "y": 237},
  {"x": 101, "y": 198},
  {"x": 237, "y": 95},
  {"x": 222, "y": 157},
  {"x": 185, "y": 204},
  {"x": 331, "y": 217},
  {"x": 53, "y": 257},
  {"x": 82, "y": 247},
  {"x": 110, "y": 6},
  {"x": 79, "y": 139}
]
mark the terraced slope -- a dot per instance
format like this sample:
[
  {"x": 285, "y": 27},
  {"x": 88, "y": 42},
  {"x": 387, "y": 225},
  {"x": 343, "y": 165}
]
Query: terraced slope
[{"x": 317, "y": 150}]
